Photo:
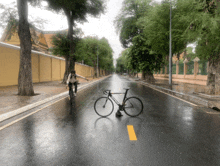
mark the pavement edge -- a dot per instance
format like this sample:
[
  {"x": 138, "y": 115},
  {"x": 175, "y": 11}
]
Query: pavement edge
[
  {"x": 191, "y": 98},
  {"x": 30, "y": 106}
]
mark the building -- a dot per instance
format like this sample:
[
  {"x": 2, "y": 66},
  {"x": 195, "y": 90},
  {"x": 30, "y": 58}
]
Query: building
[{"x": 41, "y": 40}]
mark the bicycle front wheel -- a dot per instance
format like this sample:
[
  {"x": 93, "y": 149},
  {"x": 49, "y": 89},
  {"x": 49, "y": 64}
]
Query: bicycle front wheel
[
  {"x": 133, "y": 106},
  {"x": 103, "y": 106}
]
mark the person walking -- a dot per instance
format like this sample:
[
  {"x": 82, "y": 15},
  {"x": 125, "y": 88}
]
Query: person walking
[{"x": 71, "y": 80}]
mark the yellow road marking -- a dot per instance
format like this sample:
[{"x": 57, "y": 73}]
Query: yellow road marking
[{"x": 131, "y": 133}]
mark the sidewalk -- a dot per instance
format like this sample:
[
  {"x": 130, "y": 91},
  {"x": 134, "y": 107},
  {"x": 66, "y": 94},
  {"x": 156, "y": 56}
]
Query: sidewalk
[
  {"x": 10, "y": 101},
  {"x": 191, "y": 92}
]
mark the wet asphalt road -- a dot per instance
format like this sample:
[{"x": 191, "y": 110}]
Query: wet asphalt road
[{"x": 170, "y": 132}]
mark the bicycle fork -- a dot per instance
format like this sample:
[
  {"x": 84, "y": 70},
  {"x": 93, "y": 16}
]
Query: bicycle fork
[{"x": 105, "y": 102}]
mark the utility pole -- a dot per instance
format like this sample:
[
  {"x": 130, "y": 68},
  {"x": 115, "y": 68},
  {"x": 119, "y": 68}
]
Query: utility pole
[
  {"x": 97, "y": 62},
  {"x": 170, "y": 50}
]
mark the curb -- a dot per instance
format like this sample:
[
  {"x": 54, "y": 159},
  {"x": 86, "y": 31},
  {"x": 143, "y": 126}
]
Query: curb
[
  {"x": 30, "y": 106},
  {"x": 191, "y": 98}
]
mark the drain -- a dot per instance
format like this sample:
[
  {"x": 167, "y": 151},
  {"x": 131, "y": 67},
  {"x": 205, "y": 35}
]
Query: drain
[{"x": 216, "y": 109}]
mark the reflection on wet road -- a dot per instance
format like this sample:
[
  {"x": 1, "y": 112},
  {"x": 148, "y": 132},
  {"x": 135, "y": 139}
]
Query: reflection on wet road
[{"x": 169, "y": 132}]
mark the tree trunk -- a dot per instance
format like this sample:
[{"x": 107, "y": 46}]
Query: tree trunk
[
  {"x": 143, "y": 75},
  {"x": 95, "y": 68},
  {"x": 149, "y": 77},
  {"x": 25, "y": 84},
  {"x": 67, "y": 70},
  {"x": 71, "y": 59},
  {"x": 213, "y": 80}
]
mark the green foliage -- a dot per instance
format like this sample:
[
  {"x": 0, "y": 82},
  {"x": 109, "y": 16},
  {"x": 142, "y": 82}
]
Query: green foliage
[
  {"x": 90, "y": 47},
  {"x": 203, "y": 19},
  {"x": 61, "y": 43},
  {"x": 142, "y": 58},
  {"x": 78, "y": 8},
  {"x": 121, "y": 64},
  {"x": 126, "y": 21}
]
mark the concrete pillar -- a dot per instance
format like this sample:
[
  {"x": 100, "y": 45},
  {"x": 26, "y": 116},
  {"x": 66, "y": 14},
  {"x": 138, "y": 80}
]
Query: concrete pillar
[
  {"x": 207, "y": 67},
  {"x": 185, "y": 67},
  {"x": 177, "y": 67},
  {"x": 196, "y": 66}
]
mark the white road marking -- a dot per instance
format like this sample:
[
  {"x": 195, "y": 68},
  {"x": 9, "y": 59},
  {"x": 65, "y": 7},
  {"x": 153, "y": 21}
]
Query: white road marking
[
  {"x": 11, "y": 123},
  {"x": 171, "y": 95}
]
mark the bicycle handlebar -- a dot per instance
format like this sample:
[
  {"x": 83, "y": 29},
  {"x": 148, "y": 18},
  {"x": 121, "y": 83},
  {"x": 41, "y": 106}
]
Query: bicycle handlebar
[{"x": 106, "y": 92}]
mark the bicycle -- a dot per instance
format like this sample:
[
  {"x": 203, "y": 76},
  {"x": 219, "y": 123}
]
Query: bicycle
[
  {"x": 104, "y": 106},
  {"x": 71, "y": 94}
]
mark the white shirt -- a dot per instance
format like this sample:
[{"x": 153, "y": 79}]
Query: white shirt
[{"x": 73, "y": 79}]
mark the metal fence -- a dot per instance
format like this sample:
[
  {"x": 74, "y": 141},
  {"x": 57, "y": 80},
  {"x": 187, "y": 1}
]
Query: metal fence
[
  {"x": 181, "y": 68},
  {"x": 174, "y": 69},
  {"x": 202, "y": 68},
  {"x": 190, "y": 67},
  {"x": 163, "y": 70}
]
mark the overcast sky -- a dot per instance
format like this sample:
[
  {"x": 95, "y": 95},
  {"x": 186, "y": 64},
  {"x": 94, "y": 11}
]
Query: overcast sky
[{"x": 102, "y": 26}]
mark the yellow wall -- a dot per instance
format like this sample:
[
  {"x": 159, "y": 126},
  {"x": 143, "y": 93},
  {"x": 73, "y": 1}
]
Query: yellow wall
[
  {"x": 35, "y": 67},
  {"x": 63, "y": 65},
  {"x": 9, "y": 66},
  {"x": 44, "y": 67},
  {"x": 84, "y": 70},
  {"x": 55, "y": 69}
]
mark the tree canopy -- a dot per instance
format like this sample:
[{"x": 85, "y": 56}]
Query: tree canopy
[{"x": 89, "y": 48}]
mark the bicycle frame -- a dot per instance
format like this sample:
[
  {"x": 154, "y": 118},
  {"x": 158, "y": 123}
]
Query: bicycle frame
[{"x": 116, "y": 101}]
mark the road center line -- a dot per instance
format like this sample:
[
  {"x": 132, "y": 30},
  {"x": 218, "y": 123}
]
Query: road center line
[{"x": 131, "y": 133}]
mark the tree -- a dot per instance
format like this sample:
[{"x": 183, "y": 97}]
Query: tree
[
  {"x": 9, "y": 17},
  {"x": 203, "y": 27},
  {"x": 25, "y": 84},
  {"x": 143, "y": 58},
  {"x": 61, "y": 46},
  {"x": 126, "y": 21},
  {"x": 75, "y": 11},
  {"x": 91, "y": 48}
]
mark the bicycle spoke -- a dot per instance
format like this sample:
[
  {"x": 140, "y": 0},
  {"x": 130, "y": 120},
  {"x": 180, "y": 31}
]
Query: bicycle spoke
[
  {"x": 103, "y": 110},
  {"x": 133, "y": 106}
]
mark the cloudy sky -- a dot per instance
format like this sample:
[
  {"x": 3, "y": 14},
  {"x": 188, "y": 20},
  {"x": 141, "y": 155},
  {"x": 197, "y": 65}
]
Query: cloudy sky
[{"x": 101, "y": 27}]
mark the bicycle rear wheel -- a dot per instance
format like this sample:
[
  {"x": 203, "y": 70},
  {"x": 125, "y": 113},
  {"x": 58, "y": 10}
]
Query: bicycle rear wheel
[
  {"x": 133, "y": 106},
  {"x": 71, "y": 94},
  {"x": 103, "y": 106}
]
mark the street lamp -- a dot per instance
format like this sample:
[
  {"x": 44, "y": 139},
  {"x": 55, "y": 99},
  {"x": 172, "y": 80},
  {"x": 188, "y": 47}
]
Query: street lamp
[{"x": 170, "y": 50}]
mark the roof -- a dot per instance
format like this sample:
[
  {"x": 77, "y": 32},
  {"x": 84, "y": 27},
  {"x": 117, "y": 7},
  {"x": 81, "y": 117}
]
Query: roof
[{"x": 39, "y": 38}]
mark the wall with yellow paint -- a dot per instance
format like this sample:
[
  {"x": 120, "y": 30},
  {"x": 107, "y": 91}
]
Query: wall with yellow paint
[
  {"x": 63, "y": 65},
  {"x": 55, "y": 69},
  {"x": 35, "y": 67},
  {"x": 84, "y": 70},
  {"x": 44, "y": 67},
  {"x": 9, "y": 66}
]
